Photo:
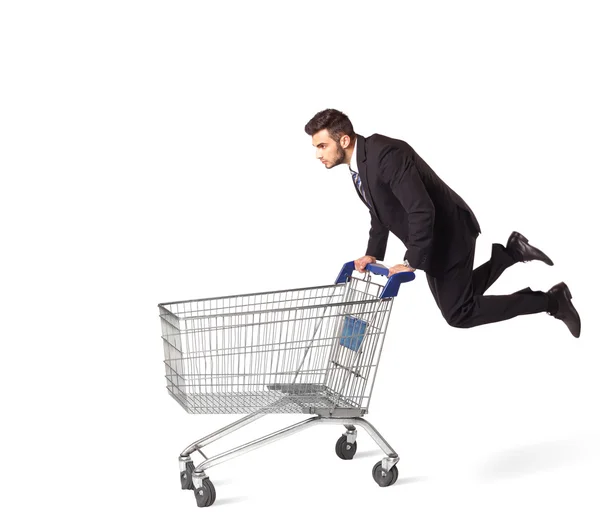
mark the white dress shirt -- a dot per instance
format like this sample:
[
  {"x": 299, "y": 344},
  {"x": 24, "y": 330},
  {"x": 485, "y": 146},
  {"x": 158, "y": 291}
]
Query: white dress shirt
[{"x": 353, "y": 163}]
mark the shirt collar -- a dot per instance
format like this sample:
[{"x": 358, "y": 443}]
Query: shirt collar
[{"x": 353, "y": 161}]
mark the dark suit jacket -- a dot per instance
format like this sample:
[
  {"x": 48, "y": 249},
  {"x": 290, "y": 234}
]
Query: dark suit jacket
[{"x": 410, "y": 200}]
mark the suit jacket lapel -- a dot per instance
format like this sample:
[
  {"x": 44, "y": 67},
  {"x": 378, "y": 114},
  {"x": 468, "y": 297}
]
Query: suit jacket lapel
[{"x": 361, "y": 159}]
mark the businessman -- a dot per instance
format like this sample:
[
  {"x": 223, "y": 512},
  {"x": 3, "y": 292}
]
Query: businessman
[{"x": 405, "y": 196}]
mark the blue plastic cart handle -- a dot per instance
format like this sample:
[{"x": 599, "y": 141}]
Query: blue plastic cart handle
[
  {"x": 380, "y": 269},
  {"x": 391, "y": 287}
]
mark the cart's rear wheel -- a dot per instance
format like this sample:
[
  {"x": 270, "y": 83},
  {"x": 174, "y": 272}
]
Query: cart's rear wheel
[
  {"x": 205, "y": 496},
  {"x": 186, "y": 476},
  {"x": 389, "y": 479},
  {"x": 344, "y": 449}
]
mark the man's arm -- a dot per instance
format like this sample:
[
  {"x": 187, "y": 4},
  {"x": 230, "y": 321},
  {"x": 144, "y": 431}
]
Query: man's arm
[
  {"x": 397, "y": 168},
  {"x": 378, "y": 237}
]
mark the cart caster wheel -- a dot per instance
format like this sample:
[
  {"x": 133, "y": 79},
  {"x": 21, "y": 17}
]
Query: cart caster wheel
[
  {"x": 205, "y": 496},
  {"x": 385, "y": 480},
  {"x": 344, "y": 449},
  {"x": 186, "y": 476}
]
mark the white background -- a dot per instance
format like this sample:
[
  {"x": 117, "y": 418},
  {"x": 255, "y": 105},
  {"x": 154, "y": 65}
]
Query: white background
[{"x": 155, "y": 151}]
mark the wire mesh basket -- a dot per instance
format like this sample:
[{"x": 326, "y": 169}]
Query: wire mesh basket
[{"x": 293, "y": 351}]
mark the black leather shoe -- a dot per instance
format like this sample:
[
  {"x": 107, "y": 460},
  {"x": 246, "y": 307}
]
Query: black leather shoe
[
  {"x": 565, "y": 312},
  {"x": 519, "y": 248}
]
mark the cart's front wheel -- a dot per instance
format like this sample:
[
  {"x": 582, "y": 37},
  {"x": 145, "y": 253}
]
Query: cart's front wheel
[
  {"x": 205, "y": 496},
  {"x": 186, "y": 476},
  {"x": 344, "y": 449},
  {"x": 382, "y": 478}
]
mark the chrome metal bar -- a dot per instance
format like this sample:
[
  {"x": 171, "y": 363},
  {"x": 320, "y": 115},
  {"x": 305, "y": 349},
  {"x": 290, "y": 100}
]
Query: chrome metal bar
[
  {"x": 392, "y": 457},
  {"x": 375, "y": 435},
  {"x": 205, "y": 441},
  {"x": 263, "y": 441}
]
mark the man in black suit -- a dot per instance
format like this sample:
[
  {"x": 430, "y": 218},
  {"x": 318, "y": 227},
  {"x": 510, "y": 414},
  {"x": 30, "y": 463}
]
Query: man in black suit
[{"x": 439, "y": 230}]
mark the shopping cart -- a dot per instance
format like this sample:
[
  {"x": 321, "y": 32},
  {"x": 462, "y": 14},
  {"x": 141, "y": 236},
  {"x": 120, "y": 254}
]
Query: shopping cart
[{"x": 312, "y": 351}]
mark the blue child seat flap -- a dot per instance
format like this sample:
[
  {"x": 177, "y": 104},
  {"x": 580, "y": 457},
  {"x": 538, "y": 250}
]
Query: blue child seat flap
[{"x": 353, "y": 332}]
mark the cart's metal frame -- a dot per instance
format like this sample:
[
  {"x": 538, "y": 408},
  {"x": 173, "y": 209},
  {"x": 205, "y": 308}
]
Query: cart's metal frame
[
  {"x": 334, "y": 386},
  {"x": 349, "y": 422}
]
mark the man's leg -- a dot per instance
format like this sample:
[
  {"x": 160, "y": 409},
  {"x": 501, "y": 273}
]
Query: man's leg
[
  {"x": 486, "y": 274},
  {"x": 462, "y": 306},
  {"x": 518, "y": 249}
]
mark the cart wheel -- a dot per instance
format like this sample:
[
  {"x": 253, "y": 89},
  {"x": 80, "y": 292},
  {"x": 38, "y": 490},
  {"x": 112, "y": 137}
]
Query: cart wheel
[
  {"x": 386, "y": 480},
  {"x": 186, "y": 476},
  {"x": 205, "y": 496},
  {"x": 344, "y": 449}
]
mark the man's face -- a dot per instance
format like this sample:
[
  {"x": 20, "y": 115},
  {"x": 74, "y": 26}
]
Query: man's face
[{"x": 329, "y": 152}]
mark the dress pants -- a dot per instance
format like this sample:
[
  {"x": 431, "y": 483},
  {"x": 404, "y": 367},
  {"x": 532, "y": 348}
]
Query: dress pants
[{"x": 459, "y": 291}]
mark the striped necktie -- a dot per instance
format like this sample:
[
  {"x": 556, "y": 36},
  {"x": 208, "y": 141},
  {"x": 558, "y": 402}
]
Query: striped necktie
[{"x": 356, "y": 179}]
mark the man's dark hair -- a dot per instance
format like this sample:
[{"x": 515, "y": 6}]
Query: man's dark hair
[{"x": 336, "y": 123}]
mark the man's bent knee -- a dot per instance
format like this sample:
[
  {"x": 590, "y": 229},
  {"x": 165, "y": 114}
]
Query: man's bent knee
[{"x": 459, "y": 320}]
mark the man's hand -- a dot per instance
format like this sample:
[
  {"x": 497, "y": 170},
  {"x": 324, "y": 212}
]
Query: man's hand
[
  {"x": 399, "y": 269},
  {"x": 361, "y": 264}
]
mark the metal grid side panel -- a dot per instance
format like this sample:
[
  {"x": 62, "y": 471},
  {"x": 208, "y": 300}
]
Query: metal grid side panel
[
  {"x": 351, "y": 371},
  {"x": 172, "y": 352},
  {"x": 241, "y": 363},
  {"x": 221, "y": 341},
  {"x": 383, "y": 320}
]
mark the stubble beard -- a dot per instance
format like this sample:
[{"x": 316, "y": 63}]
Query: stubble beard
[{"x": 340, "y": 156}]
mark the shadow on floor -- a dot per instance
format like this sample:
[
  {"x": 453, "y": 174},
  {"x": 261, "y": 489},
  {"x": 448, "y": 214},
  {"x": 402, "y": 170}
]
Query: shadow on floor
[
  {"x": 409, "y": 480},
  {"x": 544, "y": 456},
  {"x": 229, "y": 500}
]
